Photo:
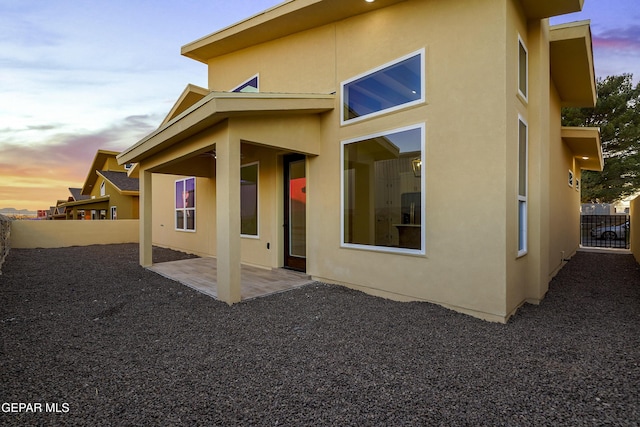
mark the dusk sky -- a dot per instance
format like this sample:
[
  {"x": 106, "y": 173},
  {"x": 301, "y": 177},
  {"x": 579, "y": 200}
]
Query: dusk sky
[{"x": 76, "y": 77}]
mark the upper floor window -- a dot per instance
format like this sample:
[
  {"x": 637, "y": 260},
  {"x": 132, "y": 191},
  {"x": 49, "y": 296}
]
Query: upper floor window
[
  {"x": 523, "y": 69},
  {"x": 185, "y": 199},
  {"x": 383, "y": 191},
  {"x": 250, "y": 85},
  {"x": 395, "y": 85},
  {"x": 103, "y": 190},
  {"x": 249, "y": 200}
]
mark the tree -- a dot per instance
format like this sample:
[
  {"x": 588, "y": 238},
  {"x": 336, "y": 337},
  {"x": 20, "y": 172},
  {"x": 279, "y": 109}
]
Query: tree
[{"x": 617, "y": 114}]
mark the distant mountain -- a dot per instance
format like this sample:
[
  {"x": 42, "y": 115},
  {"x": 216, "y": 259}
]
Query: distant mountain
[{"x": 14, "y": 211}]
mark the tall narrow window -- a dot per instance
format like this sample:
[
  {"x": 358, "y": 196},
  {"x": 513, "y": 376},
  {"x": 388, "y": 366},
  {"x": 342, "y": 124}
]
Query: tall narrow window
[
  {"x": 103, "y": 190},
  {"x": 383, "y": 182},
  {"x": 523, "y": 69},
  {"x": 522, "y": 186},
  {"x": 249, "y": 200},
  {"x": 185, "y": 201},
  {"x": 114, "y": 212},
  {"x": 250, "y": 85},
  {"x": 393, "y": 86}
]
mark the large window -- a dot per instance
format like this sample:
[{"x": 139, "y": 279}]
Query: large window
[
  {"x": 185, "y": 198},
  {"x": 383, "y": 185},
  {"x": 249, "y": 200},
  {"x": 522, "y": 186},
  {"x": 396, "y": 85},
  {"x": 523, "y": 69},
  {"x": 250, "y": 85}
]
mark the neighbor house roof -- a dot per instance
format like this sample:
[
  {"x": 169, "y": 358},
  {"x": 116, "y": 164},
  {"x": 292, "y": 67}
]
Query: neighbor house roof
[
  {"x": 189, "y": 96},
  {"x": 98, "y": 161},
  {"x": 293, "y": 16},
  {"x": 219, "y": 106},
  {"x": 76, "y": 194},
  {"x": 122, "y": 182}
]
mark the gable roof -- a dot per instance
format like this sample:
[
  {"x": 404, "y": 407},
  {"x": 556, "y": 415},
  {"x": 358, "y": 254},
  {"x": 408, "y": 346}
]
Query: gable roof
[
  {"x": 293, "y": 16},
  {"x": 190, "y": 95},
  {"x": 98, "y": 161},
  {"x": 122, "y": 182},
  {"x": 219, "y": 106},
  {"x": 76, "y": 194}
]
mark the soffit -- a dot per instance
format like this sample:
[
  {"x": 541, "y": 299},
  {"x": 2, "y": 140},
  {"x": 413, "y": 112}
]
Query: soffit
[
  {"x": 287, "y": 18},
  {"x": 219, "y": 106},
  {"x": 571, "y": 57},
  {"x": 585, "y": 144},
  {"x": 539, "y": 9}
]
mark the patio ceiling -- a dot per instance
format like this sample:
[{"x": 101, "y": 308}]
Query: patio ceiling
[{"x": 585, "y": 144}]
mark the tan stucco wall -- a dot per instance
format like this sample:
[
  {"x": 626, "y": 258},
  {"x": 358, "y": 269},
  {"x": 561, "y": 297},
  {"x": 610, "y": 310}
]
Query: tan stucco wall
[
  {"x": 58, "y": 234},
  {"x": 471, "y": 121}
]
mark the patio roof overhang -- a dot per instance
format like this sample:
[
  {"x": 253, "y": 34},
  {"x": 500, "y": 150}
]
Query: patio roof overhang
[
  {"x": 585, "y": 144},
  {"x": 219, "y": 106},
  {"x": 572, "y": 70},
  {"x": 95, "y": 203}
]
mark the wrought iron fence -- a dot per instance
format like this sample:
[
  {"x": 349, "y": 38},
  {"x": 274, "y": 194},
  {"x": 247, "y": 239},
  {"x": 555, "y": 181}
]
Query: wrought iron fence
[
  {"x": 5, "y": 235},
  {"x": 605, "y": 231}
]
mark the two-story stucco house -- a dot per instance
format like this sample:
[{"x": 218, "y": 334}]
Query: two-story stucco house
[
  {"x": 109, "y": 192},
  {"x": 411, "y": 149}
]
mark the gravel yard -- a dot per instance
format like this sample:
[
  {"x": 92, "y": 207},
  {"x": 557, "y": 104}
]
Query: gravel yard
[{"x": 94, "y": 339}]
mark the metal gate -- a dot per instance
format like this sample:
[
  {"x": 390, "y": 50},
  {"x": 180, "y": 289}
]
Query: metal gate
[{"x": 605, "y": 231}]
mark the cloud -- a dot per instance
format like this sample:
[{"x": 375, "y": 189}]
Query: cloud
[
  {"x": 34, "y": 176},
  {"x": 619, "y": 39}
]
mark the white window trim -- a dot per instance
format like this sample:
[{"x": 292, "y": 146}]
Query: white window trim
[
  {"x": 570, "y": 178},
  {"x": 423, "y": 180},
  {"x": 524, "y": 97},
  {"x": 257, "y": 235},
  {"x": 103, "y": 189},
  {"x": 112, "y": 210},
  {"x": 421, "y": 100},
  {"x": 525, "y": 199},
  {"x": 247, "y": 81},
  {"x": 175, "y": 209}
]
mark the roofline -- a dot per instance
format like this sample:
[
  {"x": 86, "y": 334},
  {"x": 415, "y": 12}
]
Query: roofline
[
  {"x": 120, "y": 190},
  {"x": 100, "y": 157},
  {"x": 219, "y": 106}
]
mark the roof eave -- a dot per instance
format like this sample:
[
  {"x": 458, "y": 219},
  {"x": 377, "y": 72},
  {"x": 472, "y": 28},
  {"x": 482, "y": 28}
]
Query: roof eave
[
  {"x": 540, "y": 9},
  {"x": 289, "y": 17},
  {"x": 572, "y": 70},
  {"x": 219, "y": 106},
  {"x": 586, "y": 146}
]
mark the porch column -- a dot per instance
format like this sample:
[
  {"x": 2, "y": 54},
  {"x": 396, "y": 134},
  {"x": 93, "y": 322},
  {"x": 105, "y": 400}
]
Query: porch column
[
  {"x": 146, "y": 258},
  {"x": 228, "y": 219}
]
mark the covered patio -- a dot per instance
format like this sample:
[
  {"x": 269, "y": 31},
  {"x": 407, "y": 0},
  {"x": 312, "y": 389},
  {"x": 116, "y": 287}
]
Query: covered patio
[{"x": 201, "y": 274}]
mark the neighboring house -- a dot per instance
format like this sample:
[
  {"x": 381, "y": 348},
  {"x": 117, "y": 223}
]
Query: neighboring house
[
  {"x": 410, "y": 149},
  {"x": 108, "y": 192}
]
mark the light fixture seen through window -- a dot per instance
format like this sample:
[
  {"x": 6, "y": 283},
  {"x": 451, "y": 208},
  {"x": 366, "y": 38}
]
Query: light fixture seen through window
[{"x": 416, "y": 164}]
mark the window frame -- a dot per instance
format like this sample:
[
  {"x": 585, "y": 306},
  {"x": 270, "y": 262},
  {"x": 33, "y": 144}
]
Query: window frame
[
  {"x": 245, "y": 83},
  {"x": 423, "y": 180},
  {"x": 257, "y": 235},
  {"x": 184, "y": 209},
  {"x": 113, "y": 210},
  {"x": 570, "y": 178},
  {"x": 103, "y": 188},
  {"x": 523, "y": 200},
  {"x": 523, "y": 95},
  {"x": 421, "y": 100}
]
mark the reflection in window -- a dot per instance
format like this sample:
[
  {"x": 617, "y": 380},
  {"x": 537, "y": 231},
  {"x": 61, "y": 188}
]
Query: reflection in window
[
  {"x": 249, "y": 200},
  {"x": 185, "y": 198},
  {"x": 522, "y": 186},
  {"x": 250, "y": 85},
  {"x": 396, "y": 85},
  {"x": 383, "y": 190},
  {"x": 523, "y": 69}
]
